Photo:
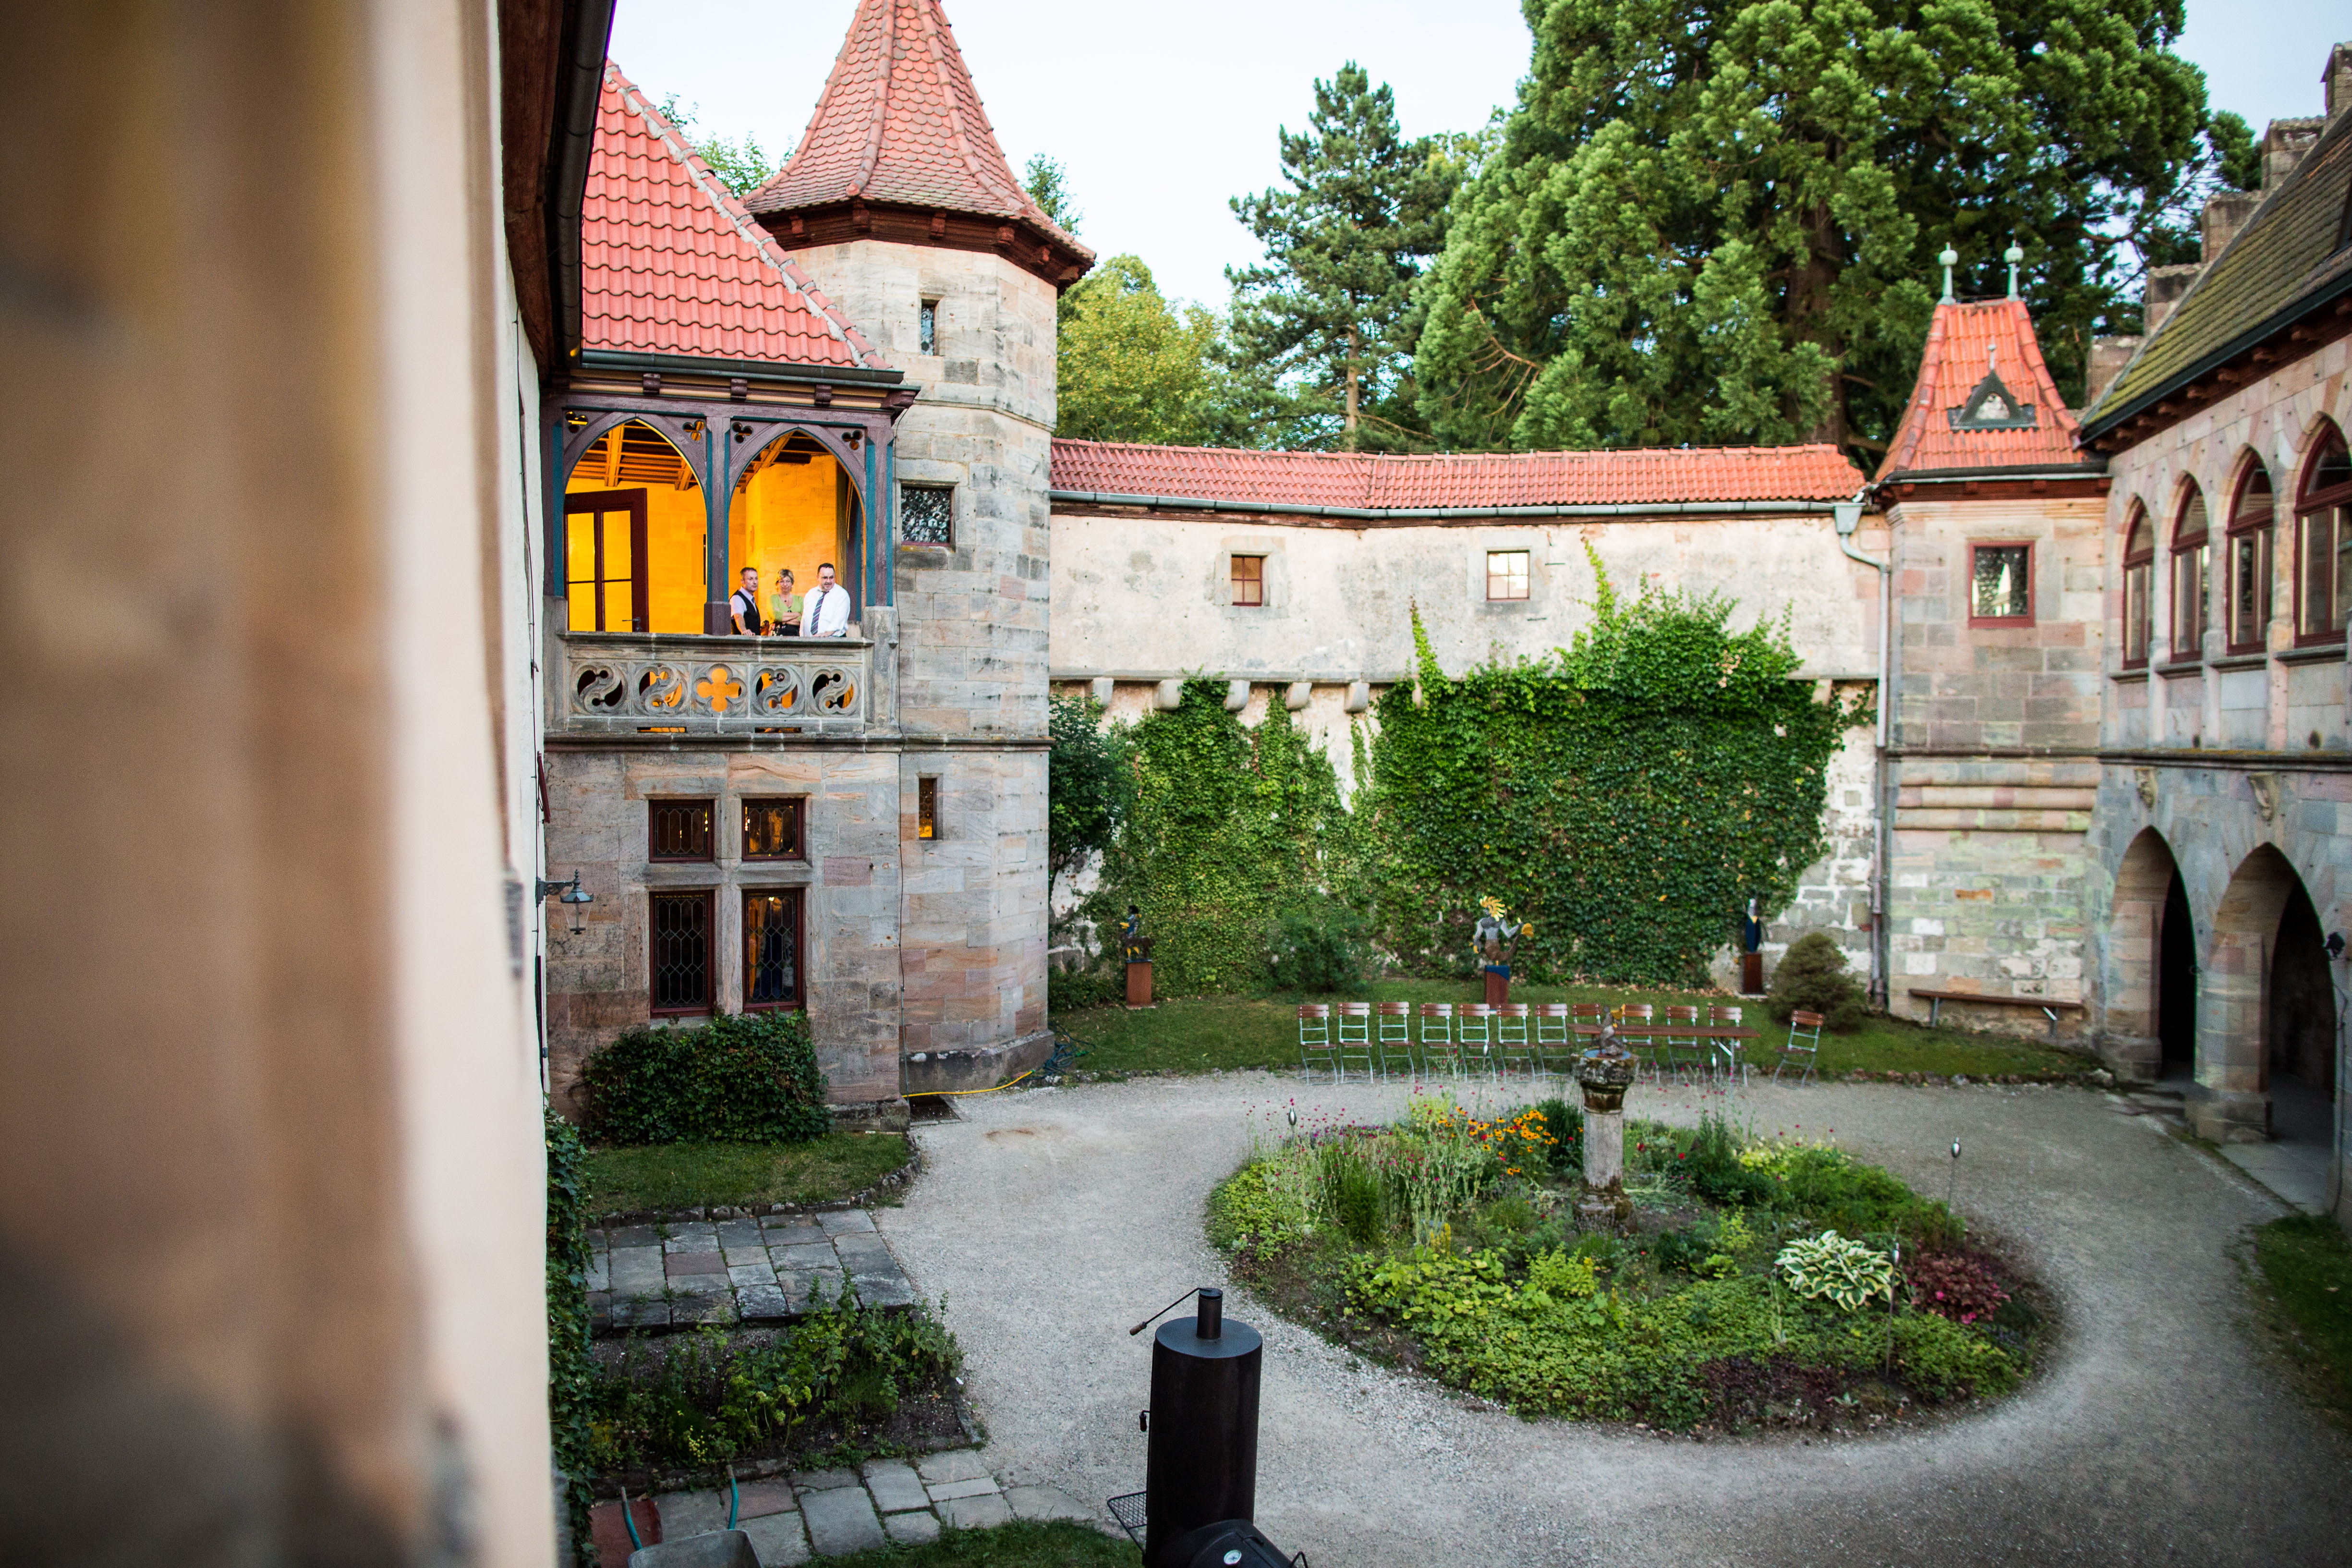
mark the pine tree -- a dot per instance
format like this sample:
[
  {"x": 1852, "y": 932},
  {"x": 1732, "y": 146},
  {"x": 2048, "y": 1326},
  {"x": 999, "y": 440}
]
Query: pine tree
[
  {"x": 1715, "y": 220},
  {"x": 1048, "y": 184},
  {"x": 1325, "y": 324}
]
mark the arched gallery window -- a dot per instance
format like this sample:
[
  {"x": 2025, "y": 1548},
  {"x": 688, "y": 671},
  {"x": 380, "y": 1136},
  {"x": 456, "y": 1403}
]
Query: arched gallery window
[
  {"x": 2250, "y": 560},
  {"x": 2189, "y": 575},
  {"x": 2322, "y": 525},
  {"x": 2139, "y": 567}
]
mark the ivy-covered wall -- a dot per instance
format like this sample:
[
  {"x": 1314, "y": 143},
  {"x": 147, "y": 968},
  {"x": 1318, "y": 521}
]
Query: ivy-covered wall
[{"x": 1630, "y": 793}]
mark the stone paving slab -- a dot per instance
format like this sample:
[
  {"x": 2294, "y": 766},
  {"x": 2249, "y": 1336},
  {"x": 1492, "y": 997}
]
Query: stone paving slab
[
  {"x": 822, "y": 1513},
  {"x": 2296, "y": 1172},
  {"x": 700, "y": 1272},
  {"x": 840, "y": 1520},
  {"x": 975, "y": 1512}
]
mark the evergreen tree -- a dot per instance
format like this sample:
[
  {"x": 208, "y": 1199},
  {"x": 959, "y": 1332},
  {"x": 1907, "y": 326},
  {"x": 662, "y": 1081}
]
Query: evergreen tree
[
  {"x": 1049, "y": 185},
  {"x": 1715, "y": 220},
  {"x": 1134, "y": 367},
  {"x": 1324, "y": 326}
]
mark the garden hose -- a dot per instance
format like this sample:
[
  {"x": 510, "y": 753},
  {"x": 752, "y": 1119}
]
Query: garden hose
[{"x": 1008, "y": 1083}]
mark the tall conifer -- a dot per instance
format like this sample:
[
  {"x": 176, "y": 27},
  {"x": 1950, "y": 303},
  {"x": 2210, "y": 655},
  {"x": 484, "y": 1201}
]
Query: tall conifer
[
  {"x": 1716, "y": 221},
  {"x": 1323, "y": 326}
]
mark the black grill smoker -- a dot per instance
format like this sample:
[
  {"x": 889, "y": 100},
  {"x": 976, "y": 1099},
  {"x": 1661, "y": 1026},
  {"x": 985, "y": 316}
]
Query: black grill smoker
[{"x": 1200, "y": 1484}]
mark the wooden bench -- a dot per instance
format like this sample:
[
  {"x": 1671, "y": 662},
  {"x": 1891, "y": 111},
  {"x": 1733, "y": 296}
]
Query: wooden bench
[{"x": 2050, "y": 1006}]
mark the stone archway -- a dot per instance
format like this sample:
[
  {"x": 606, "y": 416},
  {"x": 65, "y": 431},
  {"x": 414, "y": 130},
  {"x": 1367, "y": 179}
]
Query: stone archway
[
  {"x": 2144, "y": 931},
  {"x": 2300, "y": 1063},
  {"x": 2229, "y": 1100}
]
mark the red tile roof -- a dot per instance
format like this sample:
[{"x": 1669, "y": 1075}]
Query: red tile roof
[
  {"x": 1963, "y": 341},
  {"x": 1321, "y": 480},
  {"x": 671, "y": 264},
  {"x": 900, "y": 122}
]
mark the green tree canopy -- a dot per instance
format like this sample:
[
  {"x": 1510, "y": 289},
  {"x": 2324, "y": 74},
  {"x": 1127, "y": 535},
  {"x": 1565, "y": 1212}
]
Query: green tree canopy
[
  {"x": 741, "y": 166},
  {"x": 1088, "y": 785},
  {"x": 1715, "y": 220},
  {"x": 1324, "y": 325},
  {"x": 1049, "y": 185},
  {"x": 1134, "y": 367}
]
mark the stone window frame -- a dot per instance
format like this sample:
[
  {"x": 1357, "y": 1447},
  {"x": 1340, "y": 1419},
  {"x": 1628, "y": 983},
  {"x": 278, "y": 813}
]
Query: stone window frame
[
  {"x": 2138, "y": 585},
  {"x": 2192, "y": 547},
  {"x": 2330, "y": 505},
  {"x": 798, "y": 893},
  {"x": 800, "y": 806},
  {"x": 2031, "y": 599},
  {"x": 656, "y": 804},
  {"x": 2252, "y": 535},
  {"x": 709, "y": 1004},
  {"x": 927, "y": 487},
  {"x": 927, "y": 325}
]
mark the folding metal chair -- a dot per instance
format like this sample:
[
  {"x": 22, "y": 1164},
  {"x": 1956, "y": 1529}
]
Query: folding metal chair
[
  {"x": 1356, "y": 1029},
  {"x": 1395, "y": 1030},
  {"x": 1649, "y": 1048},
  {"x": 1437, "y": 1048},
  {"x": 1512, "y": 1046},
  {"x": 1804, "y": 1041},
  {"x": 1728, "y": 1053},
  {"x": 1474, "y": 1026},
  {"x": 1555, "y": 1040},
  {"x": 1314, "y": 1043},
  {"x": 1686, "y": 1054}
]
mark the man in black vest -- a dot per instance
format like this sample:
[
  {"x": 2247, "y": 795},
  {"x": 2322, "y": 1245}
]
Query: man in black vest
[{"x": 743, "y": 603}]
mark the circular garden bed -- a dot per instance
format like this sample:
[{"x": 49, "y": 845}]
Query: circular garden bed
[{"x": 1762, "y": 1283}]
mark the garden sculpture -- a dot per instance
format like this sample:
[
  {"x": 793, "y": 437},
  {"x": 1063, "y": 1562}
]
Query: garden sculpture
[
  {"x": 1495, "y": 939},
  {"x": 1603, "y": 1073}
]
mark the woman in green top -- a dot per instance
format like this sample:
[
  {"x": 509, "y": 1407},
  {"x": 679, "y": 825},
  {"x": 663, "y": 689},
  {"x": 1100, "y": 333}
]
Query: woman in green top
[{"x": 784, "y": 606}]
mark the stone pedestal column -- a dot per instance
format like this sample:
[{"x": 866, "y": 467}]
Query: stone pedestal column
[{"x": 1603, "y": 1073}]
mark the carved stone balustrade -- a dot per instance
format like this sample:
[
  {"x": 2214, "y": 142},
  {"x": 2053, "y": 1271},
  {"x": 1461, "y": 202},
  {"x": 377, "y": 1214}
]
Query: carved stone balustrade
[{"x": 623, "y": 683}]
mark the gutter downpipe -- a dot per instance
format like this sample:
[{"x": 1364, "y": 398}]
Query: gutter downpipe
[{"x": 1846, "y": 516}]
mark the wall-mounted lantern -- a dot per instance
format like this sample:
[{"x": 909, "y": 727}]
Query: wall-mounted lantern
[{"x": 576, "y": 897}]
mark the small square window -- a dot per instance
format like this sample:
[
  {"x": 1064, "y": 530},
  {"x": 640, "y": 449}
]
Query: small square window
[
  {"x": 772, "y": 830},
  {"x": 1507, "y": 574},
  {"x": 926, "y": 514},
  {"x": 2000, "y": 584},
  {"x": 1249, "y": 580},
  {"x": 678, "y": 830},
  {"x": 926, "y": 327},
  {"x": 927, "y": 808}
]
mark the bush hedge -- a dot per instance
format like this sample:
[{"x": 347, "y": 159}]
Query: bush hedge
[
  {"x": 747, "y": 1077},
  {"x": 571, "y": 1371}
]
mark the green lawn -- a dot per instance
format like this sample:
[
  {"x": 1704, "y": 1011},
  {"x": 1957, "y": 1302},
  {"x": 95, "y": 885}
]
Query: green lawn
[
  {"x": 703, "y": 1175},
  {"x": 2308, "y": 1264},
  {"x": 1199, "y": 1034},
  {"x": 1058, "y": 1544}
]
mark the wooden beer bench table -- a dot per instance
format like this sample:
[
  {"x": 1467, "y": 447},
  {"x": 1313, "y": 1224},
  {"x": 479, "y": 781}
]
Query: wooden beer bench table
[
  {"x": 2050, "y": 1009},
  {"x": 1682, "y": 1031}
]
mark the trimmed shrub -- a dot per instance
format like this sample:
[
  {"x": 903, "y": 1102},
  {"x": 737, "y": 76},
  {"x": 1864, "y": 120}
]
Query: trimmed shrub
[
  {"x": 1812, "y": 976},
  {"x": 741, "y": 1078},
  {"x": 1317, "y": 948}
]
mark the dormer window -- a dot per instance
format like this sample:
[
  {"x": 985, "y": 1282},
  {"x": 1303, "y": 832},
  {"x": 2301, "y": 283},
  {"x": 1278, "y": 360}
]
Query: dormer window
[{"x": 1990, "y": 405}]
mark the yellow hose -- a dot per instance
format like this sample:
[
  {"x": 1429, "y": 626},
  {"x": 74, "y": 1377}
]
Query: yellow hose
[{"x": 951, "y": 1093}]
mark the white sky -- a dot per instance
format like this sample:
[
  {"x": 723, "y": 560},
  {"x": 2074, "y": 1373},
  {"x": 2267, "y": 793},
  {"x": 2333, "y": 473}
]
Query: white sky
[{"x": 1161, "y": 113}]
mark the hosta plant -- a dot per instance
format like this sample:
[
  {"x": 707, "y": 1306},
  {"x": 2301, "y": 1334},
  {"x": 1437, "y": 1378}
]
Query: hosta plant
[{"x": 1847, "y": 1272}]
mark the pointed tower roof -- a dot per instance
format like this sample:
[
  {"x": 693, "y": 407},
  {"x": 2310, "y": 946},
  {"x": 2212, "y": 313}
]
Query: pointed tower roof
[
  {"x": 671, "y": 264},
  {"x": 900, "y": 149},
  {"x": 1984, "y": 401}
]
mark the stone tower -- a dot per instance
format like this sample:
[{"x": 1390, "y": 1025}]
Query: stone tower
[{"x": 899, "y": 203}]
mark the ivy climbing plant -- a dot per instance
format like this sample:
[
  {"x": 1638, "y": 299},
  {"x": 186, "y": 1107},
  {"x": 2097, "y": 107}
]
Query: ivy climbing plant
[
  {"x": 1227, "y": 829},
  {"x": 1630, "y": 793}
]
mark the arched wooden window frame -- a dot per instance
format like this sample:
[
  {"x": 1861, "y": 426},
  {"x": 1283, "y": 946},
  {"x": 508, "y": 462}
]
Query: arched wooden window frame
[
  {"x": 2191, "y": 575},
  {"x": 2323, "y": 538},
  {"x": 2249, "y": 595},
  {"x": 2139, "y": 572}
]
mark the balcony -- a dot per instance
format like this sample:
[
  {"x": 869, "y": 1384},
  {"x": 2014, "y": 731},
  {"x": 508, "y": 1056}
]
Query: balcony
[{"x": 636, "y": 683}]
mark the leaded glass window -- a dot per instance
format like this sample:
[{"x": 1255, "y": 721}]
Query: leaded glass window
[
  {"x": 2000, "y": 583},
  {"x": 682, "y": 951},
  {"x": 926, "y": 514},
  {"x": 771, "y": 948},
  {"x": 678, "y": 830}
]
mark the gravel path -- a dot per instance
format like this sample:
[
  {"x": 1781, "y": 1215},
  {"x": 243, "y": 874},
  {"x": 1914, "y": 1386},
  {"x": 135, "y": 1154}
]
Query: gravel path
[{"x": 1053, "y": 1220}]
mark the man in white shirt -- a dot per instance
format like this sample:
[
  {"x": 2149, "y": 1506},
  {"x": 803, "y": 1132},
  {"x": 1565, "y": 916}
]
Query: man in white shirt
[{"x": 827, "y": 614}]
